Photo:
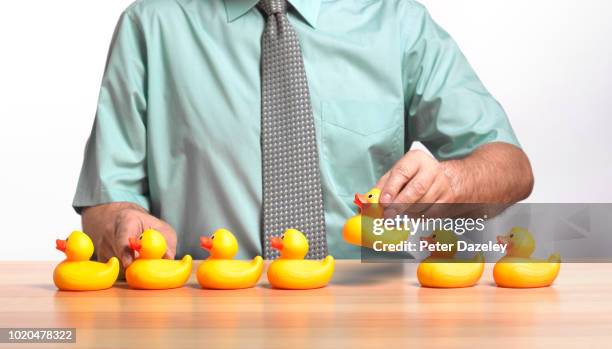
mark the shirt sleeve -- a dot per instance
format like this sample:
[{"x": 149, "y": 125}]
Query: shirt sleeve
[
  {"x": 448, "y": 108},
  {"x": 114, "y": 166}
]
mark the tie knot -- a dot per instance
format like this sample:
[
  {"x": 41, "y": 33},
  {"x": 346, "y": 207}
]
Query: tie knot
[{"x": 271, "y": 7}]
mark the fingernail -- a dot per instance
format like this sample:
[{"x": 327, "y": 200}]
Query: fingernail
[
  {"x": 386, "y": 198},
  {"x": 126, "y": 262}
]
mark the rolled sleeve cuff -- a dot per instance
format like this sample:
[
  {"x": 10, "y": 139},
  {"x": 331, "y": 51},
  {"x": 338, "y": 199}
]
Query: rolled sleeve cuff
[
  {"x": 505, "y": 137},
  {"x": 464, "y": 147},
  {"x": 84, "y": 199}
]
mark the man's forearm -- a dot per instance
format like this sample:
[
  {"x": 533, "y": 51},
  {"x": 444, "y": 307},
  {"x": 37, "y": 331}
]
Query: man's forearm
[{"x": 494, "y": 173}]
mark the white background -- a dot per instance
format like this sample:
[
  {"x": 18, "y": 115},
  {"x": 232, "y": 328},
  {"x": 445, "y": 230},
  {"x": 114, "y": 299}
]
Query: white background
[{"x": 548, "y": 61}]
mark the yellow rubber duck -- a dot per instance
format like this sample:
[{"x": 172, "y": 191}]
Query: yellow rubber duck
[
  {"x": 77, "y": 272},
  {"x": 358, "y": 230},
  {"x": 517, "y": 269},
  {"x": 442, "y": 270},
  {"x": 149, "y": 271},
  {"x": 291, "y": 271},
  {"x": 220, "y": 271}
]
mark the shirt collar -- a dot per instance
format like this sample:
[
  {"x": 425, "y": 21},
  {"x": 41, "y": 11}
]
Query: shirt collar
[{"x": 309, "y": 9}]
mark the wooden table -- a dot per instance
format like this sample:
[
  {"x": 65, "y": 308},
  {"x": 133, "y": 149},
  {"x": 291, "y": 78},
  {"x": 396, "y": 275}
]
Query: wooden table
[{"x": 368, "y": 305}]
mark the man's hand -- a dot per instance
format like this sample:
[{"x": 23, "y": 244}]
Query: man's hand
[
  {"x": 493, "y": 173},
  {"x": 417, "y": 178},
  {"x": 110, "y": 226}
]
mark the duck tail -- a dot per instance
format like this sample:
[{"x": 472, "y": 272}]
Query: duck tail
[
  {"x": 114, "y": 267},
  {"x": 187, "y": 264},
  {"x": 257, "y": 260},
  {"x": 187, "y": 259},
  {"x": 328, "y": 260},
  {"x": 257, "y": 265},
  {"x": 554, "y": 258},
  {"x": 113, "y": 262}
]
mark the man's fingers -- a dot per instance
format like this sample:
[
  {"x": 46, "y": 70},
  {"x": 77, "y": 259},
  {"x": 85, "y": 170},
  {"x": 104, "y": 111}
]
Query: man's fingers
[
  {"x": 435, "y": 191},
  {"x": 417, "y": 187},
  {"x": 437, "y": 210},
  {"x": 132, "y": 224},
  {"x": 122, "y": 249},
  {"x": 399, "y": 175},
  {"x": 427, "y": 201},
  {"x": 413, "y": 191},
  {"x": 381, "y": 182},
  {"x": 127, "y": 257},
  {"x": 129, "y": 226}
]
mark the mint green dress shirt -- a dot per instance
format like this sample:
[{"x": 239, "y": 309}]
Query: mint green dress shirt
[{"x": 177, "y": 128}]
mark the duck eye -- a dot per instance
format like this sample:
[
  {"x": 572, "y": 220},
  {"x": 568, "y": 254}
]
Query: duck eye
[
  {"x": 212, "y": 237},
  {"x": 140, "y": 237},
  {"x": 283, "y": 237},
  {"x": 511, "y": 236},
  {"x": 370, "y": 196},
  {"x": 433, "y": 236}
]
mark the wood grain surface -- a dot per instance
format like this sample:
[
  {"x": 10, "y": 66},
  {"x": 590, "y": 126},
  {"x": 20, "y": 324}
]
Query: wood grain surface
[{"x": 367, "y": 305}]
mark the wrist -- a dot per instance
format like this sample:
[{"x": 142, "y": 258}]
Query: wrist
[
  {"x": 105, "y": 216},
  {"x": 453, "y": 171},
  {"x": 112, "y": 208}
]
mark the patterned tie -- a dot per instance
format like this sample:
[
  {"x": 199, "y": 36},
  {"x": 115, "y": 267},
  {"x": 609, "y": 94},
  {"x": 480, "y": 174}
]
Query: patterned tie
[{"x": 292, "y": 194}]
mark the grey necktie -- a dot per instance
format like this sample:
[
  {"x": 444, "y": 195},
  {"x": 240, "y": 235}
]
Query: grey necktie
[{"x": 292, "y": 194}]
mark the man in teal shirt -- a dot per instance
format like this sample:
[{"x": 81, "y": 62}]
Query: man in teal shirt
[{"x": 176, "y": 140}]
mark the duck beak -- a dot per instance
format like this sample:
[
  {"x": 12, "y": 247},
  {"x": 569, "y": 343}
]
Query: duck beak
[
  {"x": 60, "y": 245},
  {"x": 429, "y": 239},
  {"x": 206, "y": 242},
  {"x": 134, "y": 244},
  {"x": 277, "y": 243},
  {"x": 359, "y": 200}
]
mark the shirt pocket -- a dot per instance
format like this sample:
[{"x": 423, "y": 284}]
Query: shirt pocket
[{"x": 361, "y": 140}]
